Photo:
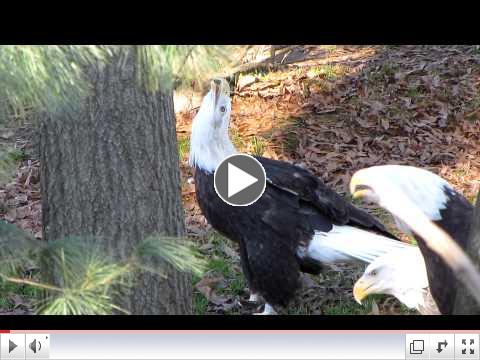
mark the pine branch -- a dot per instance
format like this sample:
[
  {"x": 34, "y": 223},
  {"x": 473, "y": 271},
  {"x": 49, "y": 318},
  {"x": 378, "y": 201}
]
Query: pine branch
[{"x": 89, "y": 278}]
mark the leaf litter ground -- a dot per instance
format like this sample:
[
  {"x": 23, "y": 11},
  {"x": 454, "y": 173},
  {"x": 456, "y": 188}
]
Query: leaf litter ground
[{"x": 339, "y": 109}]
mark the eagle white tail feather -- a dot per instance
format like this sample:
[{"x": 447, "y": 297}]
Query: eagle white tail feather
[{"x": 347, "y": 243}]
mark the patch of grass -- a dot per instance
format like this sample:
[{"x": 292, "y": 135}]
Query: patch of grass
[
  {"x": 306, "y": 88},
  {"x": 316, "y": 85},
  {"x": 346, "y": 308},
  {"x": 291, "y": 142},
  {"x": 386, "y": 71},
  {"x": 183, "y": 147},
  {"x": 329, "y": 48},
  {"x": 9, "y": 158},
  {"x": 474, "y": 105},
  {"x": 235, "y": 280},
  {"x": 299, "y": 310},
  {"x": 460, "y": 171},
  {"x": 327, "y": 71},
  {"x": 219, "y": 242},
  {"x": 290, "y": 139},
  {"x": 200, "y": 304},
  {"x": 476, "y": 101},
  {"x": 350, "y": 307},
  {"x": 413, "y": 92},
  {"x": 28, "y": 293},
  {"x": 222, "y": 264},
  {"x": 236, "y": 138},
  {"x": 262, "y": 74},
  {"x": 405, "y": 310},
  {"x": 238, "y": 284},
  {"x": 17, "y": 155},
  {"x": 257, "y": 145},
  {"x": 265, "y": 76}
]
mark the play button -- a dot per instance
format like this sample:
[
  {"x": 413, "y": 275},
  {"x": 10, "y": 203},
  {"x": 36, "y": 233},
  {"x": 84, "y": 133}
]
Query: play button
[
  {"x": 11, "y": 346},
  {"x": 240, "y": 180}
]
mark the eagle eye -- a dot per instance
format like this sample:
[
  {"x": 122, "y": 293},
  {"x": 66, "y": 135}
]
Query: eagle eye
[
  {"x": 373, "y": 273},
  {"x": 222, "y": 109}
]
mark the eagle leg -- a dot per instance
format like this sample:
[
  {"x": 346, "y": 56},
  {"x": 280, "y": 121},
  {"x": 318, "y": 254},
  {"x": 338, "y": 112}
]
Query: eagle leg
[
  {"x": 254, "y": 298},
  {"x": 267, "y": 311}
]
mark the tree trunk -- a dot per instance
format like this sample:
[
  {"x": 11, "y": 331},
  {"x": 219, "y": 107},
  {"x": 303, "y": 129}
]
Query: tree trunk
[
  {"x": 113, "y": 172},
  {"x": 464, "y": 303}
]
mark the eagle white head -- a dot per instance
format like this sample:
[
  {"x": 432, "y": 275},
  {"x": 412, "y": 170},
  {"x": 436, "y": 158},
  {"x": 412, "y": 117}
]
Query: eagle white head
[
  {"x": 427, "y": 206},
  {"x": 209, "y": 142},
  {"x": 414, "y": 196},
  {"x": 401, "y": 273},
  {"x": 411, "y": 194},
  {"x": 385, "y": 184}
]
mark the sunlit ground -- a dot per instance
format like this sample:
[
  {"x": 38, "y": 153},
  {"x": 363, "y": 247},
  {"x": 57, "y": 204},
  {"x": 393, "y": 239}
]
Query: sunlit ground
[{"x": 342, "y": 109}]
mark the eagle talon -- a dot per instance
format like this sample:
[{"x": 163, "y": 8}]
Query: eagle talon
[{"x": 268, "y": 310}]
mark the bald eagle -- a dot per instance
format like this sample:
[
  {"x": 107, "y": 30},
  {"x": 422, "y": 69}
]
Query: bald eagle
[
  {"x": 298, "y": 224},
  {"x": 401, "y": 273},
  {"x": 405, "y": 275}
]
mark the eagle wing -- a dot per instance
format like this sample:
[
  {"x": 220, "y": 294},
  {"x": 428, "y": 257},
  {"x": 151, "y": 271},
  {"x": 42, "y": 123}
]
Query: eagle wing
[
  {"x": 268, "y": 252},
  {"x": 272, "y": 267},
  {"x": 309, "y": 188}
]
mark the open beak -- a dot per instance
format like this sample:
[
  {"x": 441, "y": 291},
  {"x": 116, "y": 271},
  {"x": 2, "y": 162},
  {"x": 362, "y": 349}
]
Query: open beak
[
  {"x": 216, "y": 85},
  {"x": 360, "y": 290}
]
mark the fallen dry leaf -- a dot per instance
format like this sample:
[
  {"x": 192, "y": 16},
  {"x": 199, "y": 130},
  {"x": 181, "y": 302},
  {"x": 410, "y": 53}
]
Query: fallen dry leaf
[{"x": 206, "y": 287}]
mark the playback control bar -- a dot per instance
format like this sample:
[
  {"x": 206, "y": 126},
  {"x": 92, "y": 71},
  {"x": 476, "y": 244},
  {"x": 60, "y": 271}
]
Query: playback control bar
[{"x": 238, "y": 345}]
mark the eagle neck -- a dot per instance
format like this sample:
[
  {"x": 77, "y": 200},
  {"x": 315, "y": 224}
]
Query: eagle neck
[{"x": 209, "y": 148}]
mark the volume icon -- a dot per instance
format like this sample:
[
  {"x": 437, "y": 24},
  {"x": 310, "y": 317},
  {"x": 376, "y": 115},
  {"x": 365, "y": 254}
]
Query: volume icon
[{"x": 35, "y": 346}]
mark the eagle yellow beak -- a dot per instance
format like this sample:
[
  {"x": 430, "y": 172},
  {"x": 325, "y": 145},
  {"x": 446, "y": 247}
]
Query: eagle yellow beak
[
  {"x": 360, "y": 193},
  {"x": 360, "y": 291}
]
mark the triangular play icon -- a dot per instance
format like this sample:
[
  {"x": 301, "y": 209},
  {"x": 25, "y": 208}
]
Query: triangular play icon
[
  {"x": 11, "y": 346},
  {"x": 238, "y": 180}
]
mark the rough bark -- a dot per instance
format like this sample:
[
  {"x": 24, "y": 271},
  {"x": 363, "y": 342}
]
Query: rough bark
[
  {"x": 464, "y": 302},
  {"x": 113, "y": 172}
]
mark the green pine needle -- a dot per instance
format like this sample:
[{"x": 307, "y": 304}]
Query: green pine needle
[
  {"x": 167, "y": 65},
  {"x": 179, "y": 252},
  {"x": 87, "y": 279},
  {"x": 50, "y": 78},
  {"x": 47, "y": 77}
]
